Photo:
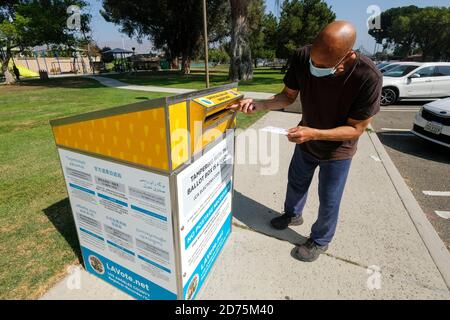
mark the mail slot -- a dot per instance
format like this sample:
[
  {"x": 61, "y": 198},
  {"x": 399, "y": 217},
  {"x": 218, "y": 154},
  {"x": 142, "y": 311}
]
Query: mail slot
[
  {"x": 210, "y": 118},
  {"x": 150, "y": 187}
]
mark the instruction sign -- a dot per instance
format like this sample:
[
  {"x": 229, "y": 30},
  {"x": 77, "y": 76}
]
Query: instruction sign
[
  {"x": 217, "y": 98},
  {"x": 204, "y": 200},
  {"x": 124, "y": 222}
]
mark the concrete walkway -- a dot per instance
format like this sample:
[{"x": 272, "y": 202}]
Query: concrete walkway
[
  {"x": 113, "y": 83},
  {"x": 377, "y": 253}
]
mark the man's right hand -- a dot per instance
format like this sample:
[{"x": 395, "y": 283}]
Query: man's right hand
[{"x": 247, "y": 106}]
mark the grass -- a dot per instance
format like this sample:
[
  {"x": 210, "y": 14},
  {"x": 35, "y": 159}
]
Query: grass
[
  {"x": 264, "y": 79},
  {"x": 37, "y": 234}
]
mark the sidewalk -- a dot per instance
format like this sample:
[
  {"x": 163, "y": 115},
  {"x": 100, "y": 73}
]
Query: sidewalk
[
  {"x": 375, "y": 230},
  {"x": 112, "y": 83}
]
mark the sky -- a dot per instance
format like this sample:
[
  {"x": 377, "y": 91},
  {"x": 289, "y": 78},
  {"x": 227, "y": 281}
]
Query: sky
[{"x": 108, "y": 34}]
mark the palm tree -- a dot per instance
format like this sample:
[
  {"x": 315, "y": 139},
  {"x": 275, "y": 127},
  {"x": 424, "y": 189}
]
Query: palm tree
[{"x": 241, "y": 67}]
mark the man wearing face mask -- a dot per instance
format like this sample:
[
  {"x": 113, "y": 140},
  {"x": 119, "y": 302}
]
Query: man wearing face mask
[{"x": 340, "y": 92}]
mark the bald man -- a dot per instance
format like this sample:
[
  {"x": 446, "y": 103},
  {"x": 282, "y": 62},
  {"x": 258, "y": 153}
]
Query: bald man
[{"x": 340, "y": 92}]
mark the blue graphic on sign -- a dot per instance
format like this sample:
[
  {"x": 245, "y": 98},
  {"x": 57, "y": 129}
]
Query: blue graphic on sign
[
  {"x": 198, "y": 277},
  {"x": 208, "y": 102},
  {"x": 123, "y": 204},
  {"x": 149, "y": 213},
  {"x": 92, "y": 234},
  {"x": 120, "y": 248},
  {"x": 124, "y": 279},
  {"x": 155, "y": 264},
  {"x": 74, "y": 186},
  {"x": 206, "y": 216}
]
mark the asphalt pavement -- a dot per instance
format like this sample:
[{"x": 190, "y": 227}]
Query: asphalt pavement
[{"x": 423, "y": 165}]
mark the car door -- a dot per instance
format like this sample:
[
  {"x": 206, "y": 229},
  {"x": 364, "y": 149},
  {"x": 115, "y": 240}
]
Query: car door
[
  {"x": 441, "y": 82},
  {"x": 421, "y": 87}
]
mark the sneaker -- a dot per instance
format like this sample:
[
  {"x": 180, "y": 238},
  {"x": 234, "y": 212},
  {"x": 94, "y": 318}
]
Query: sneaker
[
  {"x": 284, "y": 221},
  {"x": 309, "y": 252}
]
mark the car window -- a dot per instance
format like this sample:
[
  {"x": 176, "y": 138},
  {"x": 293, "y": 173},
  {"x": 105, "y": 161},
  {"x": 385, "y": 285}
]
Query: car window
[
  {"x": 443, "y": 71},
  {"x": 426, "y": 72},
  {"x": 389, "y": 67},
  {"x": 401, "y": 71},
  {"x": 382, "y": 65}
]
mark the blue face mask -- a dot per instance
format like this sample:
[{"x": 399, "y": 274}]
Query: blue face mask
[
  {"x": 320, "y": 72},
  {"x": 324, "y": 72}
]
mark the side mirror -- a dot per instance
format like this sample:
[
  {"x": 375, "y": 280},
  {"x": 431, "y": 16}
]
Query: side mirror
[{"x": 414, "y": 76}]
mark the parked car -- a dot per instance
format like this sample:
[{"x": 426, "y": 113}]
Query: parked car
[
  {"x": 416, "y": 80},
  {"x": 383, "y": 64},
  {"x": 433, "y": 122},
  {"x": 393, "y": 65}
]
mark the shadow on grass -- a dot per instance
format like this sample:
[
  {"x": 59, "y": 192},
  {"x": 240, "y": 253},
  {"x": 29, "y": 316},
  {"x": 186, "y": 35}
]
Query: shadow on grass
[
  {"x": 72, "y": 82},
  {"x": 257, "y": 217},
  {"x": 60, "y": 215}
]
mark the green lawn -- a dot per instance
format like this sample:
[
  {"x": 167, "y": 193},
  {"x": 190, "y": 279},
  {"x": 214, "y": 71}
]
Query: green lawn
[
  {"x": 37, "y": 235},
  {"x": 265, "y": 79}
]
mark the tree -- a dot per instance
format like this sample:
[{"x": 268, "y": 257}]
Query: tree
[
  {"x": 432, "y": 33},
  {"x": 270, "y": 27},
  {"x": 410, "y": 29},
  {"x": 107, "y": 57},
  {"x": 218, "y": 56},
  {"x": 241, "y": 67},
  {"x": 300, "y": 23},
  {"x": 30, "y": 23},
  {"x": 262, "y": 31},
  {"x": 175, "y": 28},
  {"x": 396, "y": 32}
]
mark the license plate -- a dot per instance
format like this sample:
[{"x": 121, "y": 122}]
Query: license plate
[{"x": 434, "y": 128}]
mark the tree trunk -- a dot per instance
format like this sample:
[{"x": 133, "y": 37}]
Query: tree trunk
[
  {"x": 9, "y": 78},
  {"x": 186, "y": 64},
  {"x": 174, "y": 64},
  {"x": 241, "y": 66}
]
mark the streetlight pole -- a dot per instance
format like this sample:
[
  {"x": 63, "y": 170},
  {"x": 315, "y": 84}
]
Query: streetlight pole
[{"x": 205, "y": 36}]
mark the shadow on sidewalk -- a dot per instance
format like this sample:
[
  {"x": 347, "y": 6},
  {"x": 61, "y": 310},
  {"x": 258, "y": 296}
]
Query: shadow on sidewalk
[
  {"x": 60, "y": 215},
  {"x": 257, "y": 217}
]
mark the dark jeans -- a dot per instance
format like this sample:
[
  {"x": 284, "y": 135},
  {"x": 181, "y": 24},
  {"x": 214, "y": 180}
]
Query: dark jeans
[{"x": 332, "y": 179}]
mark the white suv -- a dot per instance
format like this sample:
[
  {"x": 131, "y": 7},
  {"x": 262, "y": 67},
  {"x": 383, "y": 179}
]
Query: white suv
[{"x": 416, "y": 81}]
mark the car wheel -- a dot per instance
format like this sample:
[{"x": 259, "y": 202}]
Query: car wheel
[{"x": 388, "y": 97}]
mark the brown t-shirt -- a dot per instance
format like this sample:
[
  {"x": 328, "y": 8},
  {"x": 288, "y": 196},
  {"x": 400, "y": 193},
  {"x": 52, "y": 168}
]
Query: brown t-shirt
[{"x": 329, "y": 102}]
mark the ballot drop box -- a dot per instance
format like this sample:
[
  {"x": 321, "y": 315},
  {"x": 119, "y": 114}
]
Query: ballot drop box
[{"x": 150, "y": 187}]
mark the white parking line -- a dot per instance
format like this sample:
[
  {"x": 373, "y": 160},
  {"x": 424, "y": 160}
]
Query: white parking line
[
  {"x": 396, "y": 130},
  {"x": 397, "y": 134},
  {"x": 437, "y": 193},
  {"x": 443, "y": 214},
  {"x": 400, "y": 110}
]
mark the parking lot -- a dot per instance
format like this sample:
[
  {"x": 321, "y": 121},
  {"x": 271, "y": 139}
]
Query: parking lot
[{"x": 423, "y": 165}]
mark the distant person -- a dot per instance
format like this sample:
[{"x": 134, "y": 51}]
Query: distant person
[
  {"x": 340, "y": 91},
  {"x": 16, "y": 72}
]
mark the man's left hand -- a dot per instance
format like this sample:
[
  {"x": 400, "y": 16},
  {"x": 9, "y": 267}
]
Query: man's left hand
[{"x": 301, "y": 135}]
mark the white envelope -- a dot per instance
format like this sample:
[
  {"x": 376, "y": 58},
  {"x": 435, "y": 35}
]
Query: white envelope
[{"x": 276, "y": 130}]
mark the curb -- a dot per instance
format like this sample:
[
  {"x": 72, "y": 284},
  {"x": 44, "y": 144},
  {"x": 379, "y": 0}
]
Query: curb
[{"x": 430, "y": 238}]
